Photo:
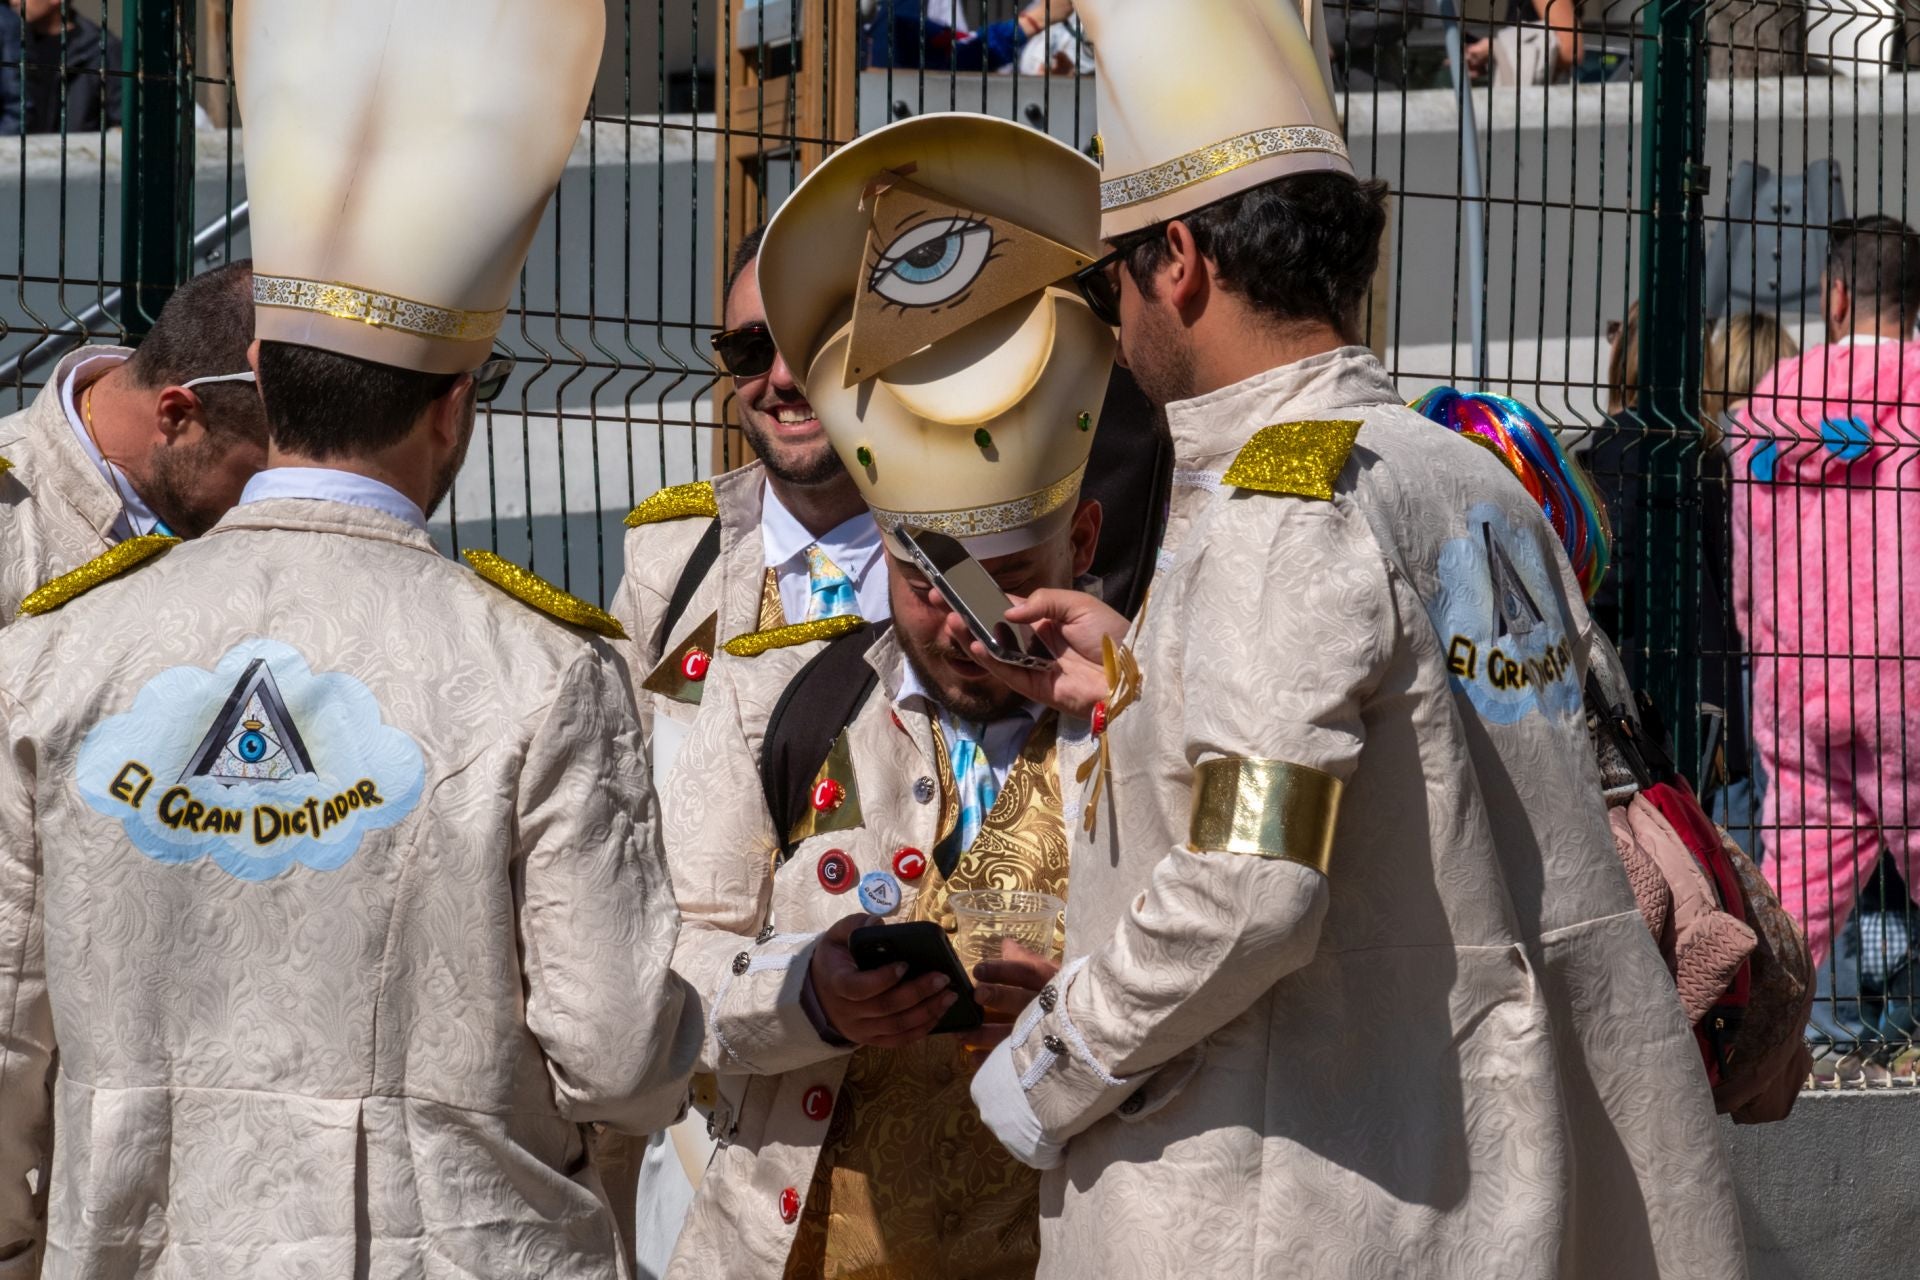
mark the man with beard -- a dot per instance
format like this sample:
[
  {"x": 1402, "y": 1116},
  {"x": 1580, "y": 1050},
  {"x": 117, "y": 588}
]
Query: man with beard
[
  {"x": 783, "y": 539},
  {"x": 917, "y": 284},
  {"x": 121, "y": 444},
  {"x": 328, "y": 867},
  {"x": 1354, "y": 983}
]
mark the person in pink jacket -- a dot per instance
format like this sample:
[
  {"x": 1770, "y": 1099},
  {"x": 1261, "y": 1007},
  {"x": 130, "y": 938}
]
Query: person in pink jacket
[{"x": 1826, "y": 519}]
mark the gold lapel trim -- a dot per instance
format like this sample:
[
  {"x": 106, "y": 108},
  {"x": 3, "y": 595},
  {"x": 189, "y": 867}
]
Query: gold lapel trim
[
  {"x": 1123, "y": 690},
  {"x": 755, "y": 643},
  {"x": 108, "y": 564},
  {"x": 676, "y": 503},
  {"x": 530, "y": 588},
  {"x": 670, "y": 678}
]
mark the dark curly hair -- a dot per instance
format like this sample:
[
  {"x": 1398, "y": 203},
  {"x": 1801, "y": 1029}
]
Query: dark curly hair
[{"x": 1302, "y": 247}]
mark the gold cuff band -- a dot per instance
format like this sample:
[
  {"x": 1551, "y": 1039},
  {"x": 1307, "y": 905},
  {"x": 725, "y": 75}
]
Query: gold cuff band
[
  {"x": 381, "y": 310},
  {"x": 1268, "y": 808},
  {"x": 998, "y": 517},
  {"x": 1211, "y": 162}
]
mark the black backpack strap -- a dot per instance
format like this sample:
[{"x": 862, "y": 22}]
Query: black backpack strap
[
  {"x": 692, "y": 574},
  {"x": 815, "y": 706}
]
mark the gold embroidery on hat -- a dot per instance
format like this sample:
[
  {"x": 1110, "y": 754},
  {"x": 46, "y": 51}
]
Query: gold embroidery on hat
[
  {"x": 1213, "y": 161},
  {"x": 1267, "y": 808},
  {"x": 107, "y": 564},
  {"x": 380, "y": 310},
  {"x": 995, "y": 517}
]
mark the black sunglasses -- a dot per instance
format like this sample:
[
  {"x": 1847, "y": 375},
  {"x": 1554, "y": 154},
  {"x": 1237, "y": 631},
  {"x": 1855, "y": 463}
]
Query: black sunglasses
[
  {"x": 490, "y": 379},
  {"x": 1099, "y": 283},
  {"x": 746, "y": 352}
]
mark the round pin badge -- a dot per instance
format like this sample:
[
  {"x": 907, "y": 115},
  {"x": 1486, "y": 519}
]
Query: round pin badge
[
  {"x": 909, "y": 863},
  {"x": 694, "y": 665},
  {"x": 828, "y": 795},
  {"x": 879, "y": 893},
  {"x": 835, "y": 871}
]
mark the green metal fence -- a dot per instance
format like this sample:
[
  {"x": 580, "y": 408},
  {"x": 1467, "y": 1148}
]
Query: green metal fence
[{"x": 1679, "y": 160}]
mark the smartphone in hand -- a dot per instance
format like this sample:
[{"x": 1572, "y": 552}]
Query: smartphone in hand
[
  {"x": 923, "y": 945},
  {"x": 971, "y": 592}
]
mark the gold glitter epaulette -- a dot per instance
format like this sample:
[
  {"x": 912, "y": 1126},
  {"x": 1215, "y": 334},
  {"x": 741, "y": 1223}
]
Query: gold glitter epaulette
[
  {"x": 755, "y": 643},
  {"x": 1302, "y": 459},
  {"x": 108, "y": 564},
  {"x": 677, "y": 503},
  {"x": 531, "y": 588},
  {"x": 5, "y": 466}
]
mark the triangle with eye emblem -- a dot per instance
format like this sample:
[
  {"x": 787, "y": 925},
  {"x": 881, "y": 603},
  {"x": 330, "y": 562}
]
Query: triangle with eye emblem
[
  {"x": 254, "y": 738},
  {"x": 933, "y": 267}
]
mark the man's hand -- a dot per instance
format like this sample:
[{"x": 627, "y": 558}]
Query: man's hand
[
  {"x": 873, "y": 1006},
  {"x": 1003, "y": 988},
  {"x": 1071, "y": 624}
]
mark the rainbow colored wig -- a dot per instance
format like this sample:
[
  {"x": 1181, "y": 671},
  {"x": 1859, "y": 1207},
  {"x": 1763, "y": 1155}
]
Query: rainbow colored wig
[{"x": 1516, "y": 435}]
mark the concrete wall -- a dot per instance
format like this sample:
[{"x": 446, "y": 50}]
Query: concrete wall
[
  {"x": 616, "y": 389},
  {"x": 1833, "y": 1191}
]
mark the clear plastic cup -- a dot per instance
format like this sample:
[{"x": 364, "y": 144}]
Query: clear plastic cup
[{"x": 986, "y": 919}]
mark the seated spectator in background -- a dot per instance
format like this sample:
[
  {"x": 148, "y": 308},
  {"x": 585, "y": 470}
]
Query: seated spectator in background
[
  {"x": 936, "y": 35},
  {"x": 1523, "y": 52},
  {"x": 68, "y": 58},
  {"x": 1827, "y": 583},
  {"x": 1740, "y": 351}
]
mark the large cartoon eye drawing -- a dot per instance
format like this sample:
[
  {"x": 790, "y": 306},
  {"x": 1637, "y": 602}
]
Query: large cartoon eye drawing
[
  {"x": 251, "y": 746},
  {"x": 932, "y": 263}
]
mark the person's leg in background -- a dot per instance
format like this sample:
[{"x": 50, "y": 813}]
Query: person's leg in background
[{"x": 1895, "y": 800}]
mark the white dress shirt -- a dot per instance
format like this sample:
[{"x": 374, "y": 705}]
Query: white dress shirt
[
  {"x": 853, "y": 546},
  {"x": 1002, "y": 740},
  {"x": 136, "y": 517},
  {"x": 324, "y": 484}
]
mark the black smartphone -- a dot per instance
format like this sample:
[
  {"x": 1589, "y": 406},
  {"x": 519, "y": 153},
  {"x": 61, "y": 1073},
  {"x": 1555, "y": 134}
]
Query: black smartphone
[
  {"x": 923, "y": 945},
  {"x": 972, "y": 593}
]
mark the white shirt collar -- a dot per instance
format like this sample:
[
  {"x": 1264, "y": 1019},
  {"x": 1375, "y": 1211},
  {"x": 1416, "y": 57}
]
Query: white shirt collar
[
  {"x": 324, "y": 484},
  {"x": 851, "y": 544},
  {"x": 136, "y": 517},
  {"x": 1864, "y": 340}
]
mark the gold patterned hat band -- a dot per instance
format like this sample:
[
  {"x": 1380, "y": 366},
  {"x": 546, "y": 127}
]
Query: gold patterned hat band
[
  {"x": 1213, "y": 161},
  {"x": 381, "y": 310},
  {"x": 995, "y": 517}
]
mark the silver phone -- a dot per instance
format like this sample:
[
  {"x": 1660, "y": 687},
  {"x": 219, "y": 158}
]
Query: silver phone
[{"x": 971, "y": 592}]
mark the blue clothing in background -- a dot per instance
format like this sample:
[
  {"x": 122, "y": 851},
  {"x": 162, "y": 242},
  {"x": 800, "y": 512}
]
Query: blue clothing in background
[{"x": 894, "y": 39}]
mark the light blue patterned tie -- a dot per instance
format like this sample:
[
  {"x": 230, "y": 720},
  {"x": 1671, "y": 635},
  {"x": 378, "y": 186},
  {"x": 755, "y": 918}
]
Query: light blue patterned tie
[
  {"x": 829, "y": 590},
  {"x": 973, "y": 782}
]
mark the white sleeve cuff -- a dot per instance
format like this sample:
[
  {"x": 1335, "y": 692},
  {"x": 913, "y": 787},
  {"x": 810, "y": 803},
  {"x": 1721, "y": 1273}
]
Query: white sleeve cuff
[{"x": 1003, "y": 1106}]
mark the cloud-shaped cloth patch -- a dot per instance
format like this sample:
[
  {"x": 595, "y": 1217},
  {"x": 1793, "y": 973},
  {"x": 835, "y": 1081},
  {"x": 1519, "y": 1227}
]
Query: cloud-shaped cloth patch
[
  {"x": 259, "y": 764},
  {"x": 1502, "y": 622}
]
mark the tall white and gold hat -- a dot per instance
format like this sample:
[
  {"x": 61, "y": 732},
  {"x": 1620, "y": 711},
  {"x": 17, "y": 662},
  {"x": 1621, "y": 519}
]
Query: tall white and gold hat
[
  {"x": 399, "y": 156},
  {"x": 918, "y": 283},
  {"x": 1202, "y": 100}
]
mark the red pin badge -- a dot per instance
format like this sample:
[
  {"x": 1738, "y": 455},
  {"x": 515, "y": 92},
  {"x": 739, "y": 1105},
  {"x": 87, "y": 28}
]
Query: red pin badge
[
  {"x": 909, "y": 863},
  {"x": 694, "y": 665},
  {"x": 836, "y": 871},
  {"x": 828, "y": 795}
]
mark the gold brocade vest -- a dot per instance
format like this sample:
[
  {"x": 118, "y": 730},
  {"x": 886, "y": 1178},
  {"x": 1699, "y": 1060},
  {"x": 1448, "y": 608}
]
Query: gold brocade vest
[{"x": 910, "y": 1184}]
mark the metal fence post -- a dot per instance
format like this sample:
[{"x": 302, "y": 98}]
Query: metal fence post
[
  {"x": 156, "y": 169},
  {"x": 1664, "y": 657}
]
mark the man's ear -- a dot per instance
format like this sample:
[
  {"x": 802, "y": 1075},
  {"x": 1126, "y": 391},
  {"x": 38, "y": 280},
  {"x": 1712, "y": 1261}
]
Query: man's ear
[
  {"x": 179, "y": 416},
  {"x": 1185, "y": 276},
  {"x": 1839, "y": 302},
  {"x": 1087, "y": 519},
  {"x": 446, "y": 417}
]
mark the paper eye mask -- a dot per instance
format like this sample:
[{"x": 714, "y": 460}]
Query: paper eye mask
[{"x": 933, "y": 267}]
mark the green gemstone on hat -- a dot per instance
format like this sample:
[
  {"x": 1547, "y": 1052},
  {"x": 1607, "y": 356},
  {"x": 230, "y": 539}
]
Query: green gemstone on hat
[
  {"x": 864, "y": 456},
  {"x": 1085, "y": 421},
  {"x": 983, "y": 438}
]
